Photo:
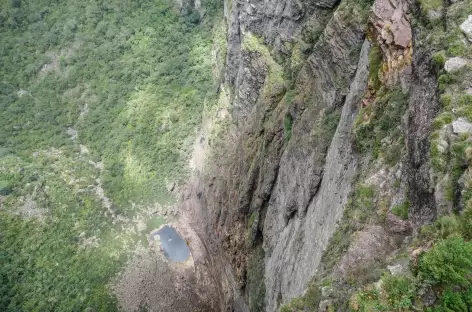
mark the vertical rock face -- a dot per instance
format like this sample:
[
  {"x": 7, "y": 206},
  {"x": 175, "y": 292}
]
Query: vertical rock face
[
  {"x": 289, "y": 191},
  {"x": 275, "y": 21},
  {"x": 282, "y": 177},
  {"x": 424, "y": 106},
  {"x": 284, "y": 192},
  {"x": 313, "y": 196}
]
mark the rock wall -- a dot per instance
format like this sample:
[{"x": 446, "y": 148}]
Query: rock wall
[
  {"x": 284, "y": 167},
  {"x": 298, "y": 243}
]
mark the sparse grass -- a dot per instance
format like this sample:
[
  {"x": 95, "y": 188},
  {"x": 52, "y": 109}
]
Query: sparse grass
[
  {"x": 401, "y": 210},
  {"x": 330, "y": 123},
  {"x": 275, "y": 83},
  {"x": 375, "y": 66},
  {"x": 308, "y": 302},
  {"x": 358, "y": 210},
  {"x": 256, "y": 281},
  {"x": 288, "y": 121},
  {"x": 381, "y": 120},
  {"x": 427, "y": 5}
]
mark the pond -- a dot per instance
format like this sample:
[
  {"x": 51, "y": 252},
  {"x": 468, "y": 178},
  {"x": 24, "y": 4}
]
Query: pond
[{"x": 173, "y": 245}]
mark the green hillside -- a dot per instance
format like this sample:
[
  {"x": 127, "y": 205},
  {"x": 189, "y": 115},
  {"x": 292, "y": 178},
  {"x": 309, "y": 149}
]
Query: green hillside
[{"x": 98, "y": 100}]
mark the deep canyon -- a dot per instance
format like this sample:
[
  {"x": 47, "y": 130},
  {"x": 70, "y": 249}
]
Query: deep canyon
[{"x": 313, "y": 155}]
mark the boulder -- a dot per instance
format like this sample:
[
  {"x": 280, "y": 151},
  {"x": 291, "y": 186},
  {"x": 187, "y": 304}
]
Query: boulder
[
  {"x": 461, "y": 125},
  {"x": 466, "y": 28},
  {"x": 399, "y": 268},
  {"x": 397, "y": 225},
  {"x": 456, "y": 63},
  {"x": 324, "y": 306},
  {"x": 327, "y": 291}
]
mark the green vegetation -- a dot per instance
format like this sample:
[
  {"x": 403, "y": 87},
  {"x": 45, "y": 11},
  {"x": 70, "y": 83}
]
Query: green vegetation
[
  {"x": 454, "y": 301},
  {"x": 255, "y": 280},
  {"x": 396, "y": 294},
  {"x": 439, "y": 21},
  {"x": 378, "y": 126},
  {"x": 359, "y": 208},
  {"x": 375, "y": 66},
  {"x": 57, "y": 248},
  {"x": 288, "y": 121},
  {"x": 449, "y": 226},
  {"x": 133, "y": 85},
  {"x": 355, "y": 12},
  {"x": 446, "y": 268},
  {"x": 439, "y": 59},
  {"x": 307, "y": 302},
  {"x": 427, "y": 5},
  {"x": 274, "y": 83},
  {"x": 131, "y": 78},
  {"x": 449, "y": 262},
  {"x": 401, "y": 210}
]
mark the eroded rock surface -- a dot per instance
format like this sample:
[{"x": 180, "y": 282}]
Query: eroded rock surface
[
  {"x": 369, "y": 246},
  {"x": 466, "y": 27}
]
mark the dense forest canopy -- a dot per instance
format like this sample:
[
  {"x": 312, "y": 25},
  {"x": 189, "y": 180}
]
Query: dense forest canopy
[{"x": 96, "y": 97}]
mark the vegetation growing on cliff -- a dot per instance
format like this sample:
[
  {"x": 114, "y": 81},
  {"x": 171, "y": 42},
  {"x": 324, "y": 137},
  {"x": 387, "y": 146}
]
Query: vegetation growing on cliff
[
  {"x": 378, "y": 126},
  {"x": 256, "y": 282},
  {"x": 443, "y": 270},
  {"x": 439, "y": 278},
  {"x": 275, "y": 83}
]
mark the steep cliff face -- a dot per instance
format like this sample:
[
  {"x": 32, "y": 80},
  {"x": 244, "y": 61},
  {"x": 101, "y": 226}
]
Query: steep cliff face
[{"x": 318, "y": 153}]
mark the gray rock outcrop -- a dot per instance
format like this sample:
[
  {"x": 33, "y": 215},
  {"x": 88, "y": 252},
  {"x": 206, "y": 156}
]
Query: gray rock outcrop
[
  {"x": 461, "y": 125},
  {"x": 466, "y": 28},
  {"x": 456, "y": 63}
]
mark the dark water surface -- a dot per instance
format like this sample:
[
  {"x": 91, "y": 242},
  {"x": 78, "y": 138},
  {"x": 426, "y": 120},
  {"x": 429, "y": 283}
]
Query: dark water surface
[{"x": 174, "y": 247}]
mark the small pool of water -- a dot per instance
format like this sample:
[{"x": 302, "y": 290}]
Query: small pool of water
[{"x": 174, "y": 246}]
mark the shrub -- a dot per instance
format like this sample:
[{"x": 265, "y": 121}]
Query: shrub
[
  {"x": 308, "y": 302},
  {"x": 366, "y": 300},
  {"x": 439, "y": 59},
  {"x": 400, "y": 290},
  {"x": 449, "y": 262},
  {"x": 448, "y": 226},
  {"x": 466, "y": 223},
  {"x": 455, "y": 301}
]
